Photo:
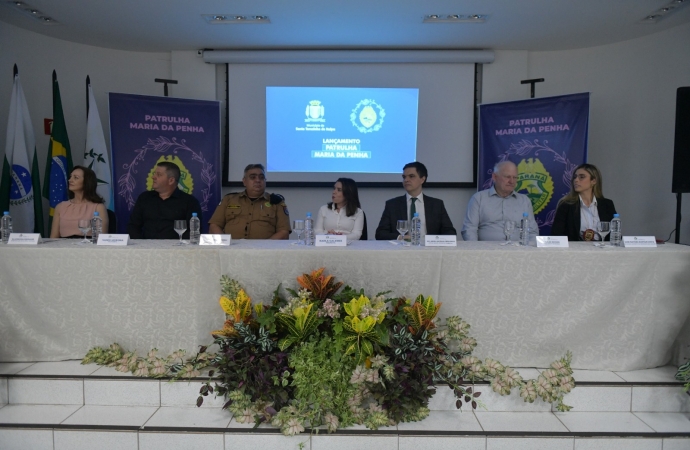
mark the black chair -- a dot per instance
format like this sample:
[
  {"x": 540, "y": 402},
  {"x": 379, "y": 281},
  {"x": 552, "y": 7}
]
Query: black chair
[
  {"x": 112, "y": 221},
  {"x": 364, "y": 236}
]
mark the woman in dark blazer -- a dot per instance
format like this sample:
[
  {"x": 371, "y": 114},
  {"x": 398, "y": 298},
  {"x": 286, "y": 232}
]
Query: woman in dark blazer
[{"x": 586, "y": 194}]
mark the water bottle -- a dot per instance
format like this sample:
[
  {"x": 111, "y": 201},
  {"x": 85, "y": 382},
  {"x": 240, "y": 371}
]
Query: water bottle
[
  {"x": 96, "y": 227},
  {"x": 194, "y": 229},
  {"x": 308, "y": 230},
  {"x": 6, "y": 227},
  {"x": 416, "y": 230},
  {"x": 524, "y": 230},
  {"x": 616, "y": 231}
]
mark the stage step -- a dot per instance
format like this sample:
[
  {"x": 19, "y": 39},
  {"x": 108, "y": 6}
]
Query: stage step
[{"x": 64, "y": 405}]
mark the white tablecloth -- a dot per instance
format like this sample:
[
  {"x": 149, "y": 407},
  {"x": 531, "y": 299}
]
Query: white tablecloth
[{"x": 615, "y": 309}]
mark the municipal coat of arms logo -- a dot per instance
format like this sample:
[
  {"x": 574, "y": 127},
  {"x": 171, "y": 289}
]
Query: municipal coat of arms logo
[
  {"x": 535, "y": 182},
  {"x": 367, "y": 116},
  {"x": 186, "y": 182},
  {"x": 315, "y": 110}
]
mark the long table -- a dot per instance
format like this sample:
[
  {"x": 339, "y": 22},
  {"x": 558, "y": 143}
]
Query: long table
[{"x": 615, "y": 309}]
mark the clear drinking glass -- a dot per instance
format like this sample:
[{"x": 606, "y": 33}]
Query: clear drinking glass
[
  {"x": 298, "y": 228},
  {"x": 508, "y": 227},
  {"x": 84, "y": 226},
  {"x": 402, "y": 227},
  {"x": 603, "y": 228},
  {"x": 180, "y": 228}
]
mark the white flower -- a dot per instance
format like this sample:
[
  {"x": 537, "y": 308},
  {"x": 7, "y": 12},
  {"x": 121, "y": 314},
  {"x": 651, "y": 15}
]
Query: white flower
[
  {"x": 561, "y": 368},
  {"x": 551, "y": 376},
  {"x": 247, "y": 416},
  {"x": 467, "y": 344},
  {"x": 158, "y": 367},
  {"x": 292, "y": 427},
  {"x": 142, "y": 370},
  {"x": 378, "y": 361},
  {"x": 492, "y": 367},
  {"x": 372, "y": 376},
  {"x": 467, "y": 361},
  {"x": 528, "y": 392},
  {"x": 358, "y": 375},
  {"x": 331, "y": 421},
  {"x": 567, "y": 384},
  {"x": 355, "y": 400},
  {"x": 512, "y": 376},
  {"x": 500, "y": 386}
]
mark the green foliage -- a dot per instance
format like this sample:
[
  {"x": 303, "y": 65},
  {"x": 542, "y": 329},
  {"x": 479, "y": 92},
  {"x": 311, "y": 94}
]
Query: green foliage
[
  {"x": 173, "y": 366},
  {"x": 299, "y": 325},
  {"x": 103, "y": 356},
  {"x": 321, "y": 381}
]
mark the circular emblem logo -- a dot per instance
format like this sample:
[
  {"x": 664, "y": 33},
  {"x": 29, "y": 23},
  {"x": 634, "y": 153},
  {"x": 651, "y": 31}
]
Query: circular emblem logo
[
  {"x": 535, "y": 182},
  {"x": 367, "y": 116},
  {"x": 20, "y": 187},
  {"x": 186, "y": 182}
]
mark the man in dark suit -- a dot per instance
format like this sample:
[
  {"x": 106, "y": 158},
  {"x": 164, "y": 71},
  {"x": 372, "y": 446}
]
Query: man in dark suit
[{"x": 431, "y": 210}]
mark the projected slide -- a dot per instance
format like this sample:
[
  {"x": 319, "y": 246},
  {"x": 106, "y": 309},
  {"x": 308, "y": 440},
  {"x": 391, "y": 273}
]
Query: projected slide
[{"x": 356, "y": 130}]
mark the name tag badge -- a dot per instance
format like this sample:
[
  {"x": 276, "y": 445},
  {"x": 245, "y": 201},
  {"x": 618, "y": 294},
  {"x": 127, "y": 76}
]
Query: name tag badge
[
  {"x": 24, "y": 238},
  {"x": 552, "y": 242},
  {"x": 113, "y": 239},
  {"x": 639, "y": 241},
  {"x": 440, "y": 241},
  {"x": 330, "y": 240},
  {"x": 214, "y": 239}
]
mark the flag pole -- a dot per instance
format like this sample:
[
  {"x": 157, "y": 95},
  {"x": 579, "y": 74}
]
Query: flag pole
[{"x": 88, "y": 83}]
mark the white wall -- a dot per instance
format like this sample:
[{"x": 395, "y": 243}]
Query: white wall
[
  {"x": 37, "y": 56},
  {"x": 632, "y": 115},
  {"x": 633, "y": 86}
]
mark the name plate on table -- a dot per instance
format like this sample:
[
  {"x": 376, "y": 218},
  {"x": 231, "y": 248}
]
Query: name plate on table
[
  {"x": 214, "y": 239},
  {"x": 112, "y": 239},
  {"x": 552, "y": 241},
  {"x": 440, "y": 240},
  {"x": 330, "y": 240},
  {"x": 639, "y": 241},
  {"x": 24, "y": 238}
]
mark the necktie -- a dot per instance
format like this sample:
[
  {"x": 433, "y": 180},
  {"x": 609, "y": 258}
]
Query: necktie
[{"x": 413, "y": 209}]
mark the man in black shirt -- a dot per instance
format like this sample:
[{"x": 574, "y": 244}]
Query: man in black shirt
[{"x": 155, "y": 212}]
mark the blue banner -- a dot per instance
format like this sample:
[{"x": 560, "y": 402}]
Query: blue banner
[
  {"x": 147, "y": 130},
  {"x": 546, "y": 138}
]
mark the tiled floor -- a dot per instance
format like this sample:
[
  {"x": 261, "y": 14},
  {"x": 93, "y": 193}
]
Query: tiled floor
[{"x": 153, "y": 414}]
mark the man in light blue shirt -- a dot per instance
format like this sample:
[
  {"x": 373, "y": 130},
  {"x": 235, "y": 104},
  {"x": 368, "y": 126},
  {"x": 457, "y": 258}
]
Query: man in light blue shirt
[{"x": 488, "y": 210}]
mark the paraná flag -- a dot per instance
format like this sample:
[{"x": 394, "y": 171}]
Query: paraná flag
[{"x": 20, "y": 187}]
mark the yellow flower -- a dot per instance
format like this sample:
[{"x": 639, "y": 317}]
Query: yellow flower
[{"x": 354, "y": 306}]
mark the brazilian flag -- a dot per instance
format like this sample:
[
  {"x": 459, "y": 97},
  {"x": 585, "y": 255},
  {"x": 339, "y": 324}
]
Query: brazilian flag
[{"x": 59, "y": 163}]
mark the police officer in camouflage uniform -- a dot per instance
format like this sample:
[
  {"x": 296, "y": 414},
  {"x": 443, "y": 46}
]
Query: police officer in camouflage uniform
[{"x": 252, "y": 213}]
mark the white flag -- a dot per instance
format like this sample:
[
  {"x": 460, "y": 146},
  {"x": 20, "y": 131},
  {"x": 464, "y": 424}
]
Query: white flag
[
  {"x": 20, "y": 151},
  {"x": 96, "y": 154}
]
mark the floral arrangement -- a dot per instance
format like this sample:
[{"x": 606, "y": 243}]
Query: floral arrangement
[{"x": 324, "y": 358}]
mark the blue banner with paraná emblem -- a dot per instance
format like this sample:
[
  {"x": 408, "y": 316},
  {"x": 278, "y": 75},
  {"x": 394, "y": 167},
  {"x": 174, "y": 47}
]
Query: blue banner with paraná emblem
[
  {"x": 146, "y": 130},
  {"x": 545, "y": 137}
]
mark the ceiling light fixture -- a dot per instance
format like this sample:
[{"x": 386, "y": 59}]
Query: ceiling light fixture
[
  {"x": 30, "y": 11},
  {"x": 662, "y": 12},
  {"x": 217, "y": 19},
  {"x": 455, "y": 18}
]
